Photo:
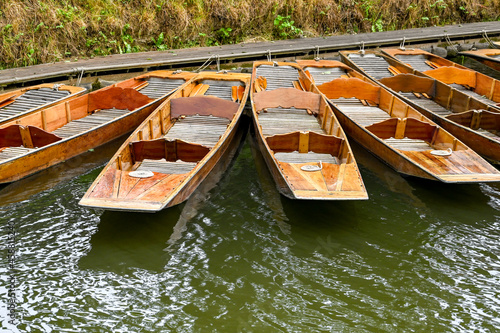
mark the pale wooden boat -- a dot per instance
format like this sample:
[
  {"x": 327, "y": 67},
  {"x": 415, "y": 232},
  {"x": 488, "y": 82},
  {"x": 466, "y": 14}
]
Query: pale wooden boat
[
  {"x": 471, "y": 120},
  {"x": 489, "y": 57},
  {"x": 167, "y": 157},
  {"x": 479, "y": 86},
  {"x": 401, "y": 136},
  {"x": 46, "y": 137},
  {"x": 301, "y": 141},
  {"x": 20, "y": 102}
]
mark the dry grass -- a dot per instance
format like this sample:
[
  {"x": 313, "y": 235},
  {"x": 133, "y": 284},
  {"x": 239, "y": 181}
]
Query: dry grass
[{"x": 44, "y": 31}]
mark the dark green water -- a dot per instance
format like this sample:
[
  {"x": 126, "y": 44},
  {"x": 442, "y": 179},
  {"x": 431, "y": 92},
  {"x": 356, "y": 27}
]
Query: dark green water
[{"x": 417, "y": 256}]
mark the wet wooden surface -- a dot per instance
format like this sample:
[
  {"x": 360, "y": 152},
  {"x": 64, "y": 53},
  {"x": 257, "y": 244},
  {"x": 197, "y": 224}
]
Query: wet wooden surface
[{"x": 241, "y": 52}]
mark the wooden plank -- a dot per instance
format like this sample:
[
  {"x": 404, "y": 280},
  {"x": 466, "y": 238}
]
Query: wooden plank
[{"x": 105, "y": 188}]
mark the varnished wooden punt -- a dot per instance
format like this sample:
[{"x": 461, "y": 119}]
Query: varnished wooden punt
[
  {"x": 479, "y": 86},
  {"x": 175, "y": 148},
  {"x": 296, "y": 129},
  {"x": 397, "y": 133},
  {"x": 18, "y": 103},
  {"x": 52, "y": 135},
  {"x": 489, "y": 57},
  {"x": 472, "y": 120}
]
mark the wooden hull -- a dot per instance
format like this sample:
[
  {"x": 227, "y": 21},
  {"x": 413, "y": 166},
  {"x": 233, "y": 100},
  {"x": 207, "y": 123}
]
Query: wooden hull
[
  {"x": 52, "y": 135},
  {"x": 485, "y": 143},
  {"x": 336, "y": 180},
  {"x": 402, "y": 137},
  {"x": 477, "y": 85},
  {"x": 21, "y": 102},
  {"x": 63, "y": 150},
  {"x": 159, "y": 138},
  {"x": 489, "y": 57},
  {"x": 447, "y": 99},
  {"x": 414, "y": 165}
]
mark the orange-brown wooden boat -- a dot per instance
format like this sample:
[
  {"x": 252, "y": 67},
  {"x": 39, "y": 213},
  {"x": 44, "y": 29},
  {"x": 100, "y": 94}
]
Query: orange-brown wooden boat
[
  {"x": 472, "y": 120},
  {"x": 479, "y": 86},
  {"x": 300, "y": 138},
  {"x": 397, "y": 133},
  {"x": 20, "y": 102},
  {"x": 489, "y": 57},
  {"x": 175, "y": 148},
  {"x": 52, "y": 135}
]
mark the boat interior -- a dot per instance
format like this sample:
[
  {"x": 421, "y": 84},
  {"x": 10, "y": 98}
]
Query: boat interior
[
  {"x": 184, "y": 129},
  {"x": 80, "y": 115},
  {"x": 386, "y": 116},
  {"x": 444, "y": 101},
  {"x": 298, "y": 125},
  {"x": 477, "y": 85},
  {"x": 19, "y": 102},
  {"x": 379, "y": 65}
]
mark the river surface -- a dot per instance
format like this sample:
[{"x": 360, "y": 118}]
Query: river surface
[{"x": 238, "y": 257}]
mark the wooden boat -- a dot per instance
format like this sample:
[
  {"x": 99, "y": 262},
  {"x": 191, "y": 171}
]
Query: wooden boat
[
  {"x": 18, "y": 103},
  {"x": 175, "y": 148},
  {"x": 489, "y": 57},
  {"x": 301, "y": 141},
  {"x": 401, "y": 136},
  {"x": 52, "y": 135},
  {"x": 471, "y": 120},
  {"x": 479, "y": 86}
]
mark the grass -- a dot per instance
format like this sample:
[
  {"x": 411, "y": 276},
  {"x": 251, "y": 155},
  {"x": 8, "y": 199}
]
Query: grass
[{"x": 41, "y": 31}]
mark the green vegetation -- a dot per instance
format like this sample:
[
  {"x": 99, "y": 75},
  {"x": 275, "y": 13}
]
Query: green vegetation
[{"x": 41, "y": 31}]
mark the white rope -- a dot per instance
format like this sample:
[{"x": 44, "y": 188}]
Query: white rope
[
  {"x": 362, "y": 48},
  {"x": 269, "y": 55},
  {"x": 80, "y": 77},
  {"x": 316, "y": 53},
  {"x": 492, "y": 45},
  {"x": 402, "y": 45},
  {"x": 205, "y": 64},
  {"x": 448, "y": 40}
]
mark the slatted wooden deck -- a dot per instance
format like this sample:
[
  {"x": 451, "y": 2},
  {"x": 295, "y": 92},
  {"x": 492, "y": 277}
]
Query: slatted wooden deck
[
  {"x": 427, "y": 103},
  {"x": 420, "y": 63},
  {"x": 31, "y": 99},
  {"x": 373, "y": 65},
  {"x": 162, "y": 166},
  {"x": 366, "y": 115},
  {"x": 13, "y": 152},
  {"x": 360, "y": 113},
  {"x": 416, "y": 61},
  {"x": 278, "y": 76},
  {"x": 158, "y": 87},
  {"x": 282, "y": 120},
  {"x": 323, "y": 75},
  {"x": 203, "y": 130},
  {"x": 85, "y": 124}
]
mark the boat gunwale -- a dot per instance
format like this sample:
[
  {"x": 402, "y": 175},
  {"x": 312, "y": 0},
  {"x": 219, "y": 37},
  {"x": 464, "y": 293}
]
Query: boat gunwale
[
  {"x": 269, "y": 155},
  {"x": 142, "y": 206}
]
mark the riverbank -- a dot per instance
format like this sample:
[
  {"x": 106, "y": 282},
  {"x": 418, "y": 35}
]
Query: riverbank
[
  {"x": 233, "y": 54},
  {"x": 49, "y": 31}
]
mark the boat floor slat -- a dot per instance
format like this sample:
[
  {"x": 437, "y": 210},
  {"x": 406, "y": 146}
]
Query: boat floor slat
[
  {"x": 296, "y": 157},
  {"x": 84, "y": 124},
  {"x": 408, "y": 144},
  {"x": 162, "y": 166},
  {"x": 204, "y": 130},
  {"x": 11, "y": 152}
]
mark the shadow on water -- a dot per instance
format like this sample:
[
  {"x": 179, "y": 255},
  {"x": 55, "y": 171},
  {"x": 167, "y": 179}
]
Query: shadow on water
[{"x": 129, "y": 240}]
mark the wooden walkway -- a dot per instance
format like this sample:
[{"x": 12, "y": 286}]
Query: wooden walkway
[{"x": 244, "y": 52}]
